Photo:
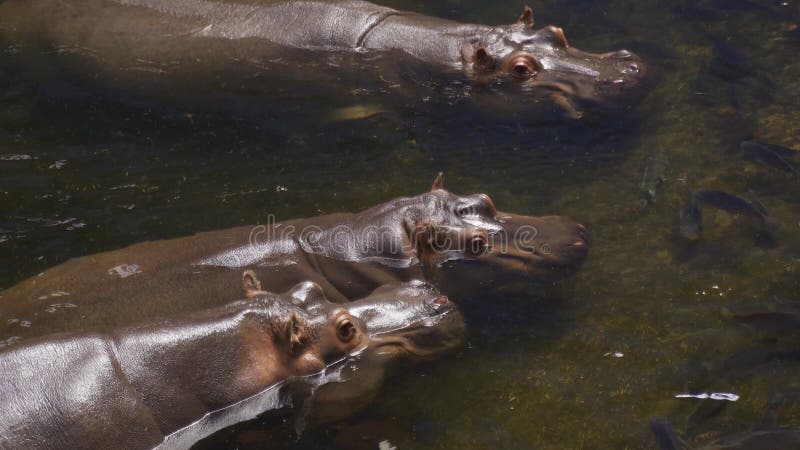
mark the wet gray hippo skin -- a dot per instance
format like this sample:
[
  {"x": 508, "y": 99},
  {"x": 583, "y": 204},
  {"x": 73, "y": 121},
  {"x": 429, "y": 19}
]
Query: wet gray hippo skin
[
  {"x": 458, "y": 243},
  {"x": 172, "y": 382},
  {"x": 539, "y": 66}
]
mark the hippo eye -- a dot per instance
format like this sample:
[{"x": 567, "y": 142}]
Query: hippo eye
[
  {"x": 521, "y": 70},
  {"x": 463, "y": 211},
  {"x": 522, "y": 66},
  {"x": 346, "y": 330}
]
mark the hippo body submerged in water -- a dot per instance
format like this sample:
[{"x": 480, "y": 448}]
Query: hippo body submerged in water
[
  {"x": 458, "y": 243},
  {"x": 173, "y": 382},
  {"x": 148, "y": 41}
]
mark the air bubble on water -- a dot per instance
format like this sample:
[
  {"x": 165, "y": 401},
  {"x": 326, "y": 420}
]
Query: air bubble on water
[
  {"x": 9, "y": 341},
  {"x": 125, "y": 270}
]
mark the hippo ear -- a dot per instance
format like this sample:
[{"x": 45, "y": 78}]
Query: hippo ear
[
  {"x": 423, "y": 236},
  {"x": 527, "y": 17},
  {"x": 482, "y": 60},
  {"x": 252, "y": 287},
  {"x": 438, "y": 182},
  {"x": 295, "y": 332}
]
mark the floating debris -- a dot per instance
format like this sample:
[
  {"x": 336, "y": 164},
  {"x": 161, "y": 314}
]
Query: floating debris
[
  {"x": 125, "y": 270},
  {"x": 354, "y": 113},
  {"x": 19, "y": 157},
  {"x": 614, "y": 354},
  {"x": 57, "y": 306},
  {"x": 726, "y": 396},
  {"x": 386, "y": 445},
  {"x": 58, "y": 164},
  {"x": 9, "y": 341},
  {"x": 54, "y": 294}
]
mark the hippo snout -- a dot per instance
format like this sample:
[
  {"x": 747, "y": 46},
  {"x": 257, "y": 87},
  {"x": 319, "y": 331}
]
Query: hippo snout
[
  {"x": 624, "y": 70},
  {"x": 542, "y": 248}
]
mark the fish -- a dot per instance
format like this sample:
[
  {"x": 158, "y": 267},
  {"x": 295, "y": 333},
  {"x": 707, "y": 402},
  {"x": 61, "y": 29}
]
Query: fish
[
  {"x": 746, "y": 361},
  {"x": 691, "y": 218},
  {"x": 652, "y": 177},
  {"x": 730, "y": 64},
  {"x": 737, "y": 205},
  {"x": 771, "y": 155},
  {"x": 784, "y": 439},
  {"x": 782, "y": 322},
  {"x": 665, "y": 434}
]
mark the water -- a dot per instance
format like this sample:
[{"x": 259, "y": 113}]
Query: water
[{"x": 79, "y": 175}]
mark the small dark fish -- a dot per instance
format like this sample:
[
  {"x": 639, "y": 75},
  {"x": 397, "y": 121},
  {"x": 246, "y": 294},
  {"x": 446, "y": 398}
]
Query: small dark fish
[
  {"x": 737, "y": 205},
  {"x": 769, "y": 419},
  {"x": 702, "y": 81},
  {"x": 745, "y": 361},
  {"x": 706, "y": 410},
  {"x": 740, "y": 5},
  {"x": 784, "y": 439},
  {"x": 652, "y": 177},
  {"x": 692, "y": 13},
  {"x": 781, "y": 322},
  {"x": 731, "y": 64},
  {"x": 770, "y": 155},
  {"x": 665, "y": 434},
  {"x": 691, "y": 218}
]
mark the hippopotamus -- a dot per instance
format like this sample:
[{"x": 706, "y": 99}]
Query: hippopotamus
[
  {"x": 458, "y": 243},
  {"x": 171, "y": 382},
  {"x": 524, "y": 68}
]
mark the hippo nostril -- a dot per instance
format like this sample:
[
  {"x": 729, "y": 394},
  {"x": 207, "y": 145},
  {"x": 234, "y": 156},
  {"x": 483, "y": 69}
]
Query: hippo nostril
[
  {"x": 631, "y": 68},
  {"x": 478, "y": 245},
  {"x": 441, "y": 301}
]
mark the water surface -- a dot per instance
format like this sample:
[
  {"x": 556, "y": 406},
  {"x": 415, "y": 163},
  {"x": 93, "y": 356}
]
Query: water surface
[{"x": 583, "y": 364}]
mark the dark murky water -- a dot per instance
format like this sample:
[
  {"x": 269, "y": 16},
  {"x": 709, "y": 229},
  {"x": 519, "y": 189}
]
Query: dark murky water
[{"x": 79, "y": 175}]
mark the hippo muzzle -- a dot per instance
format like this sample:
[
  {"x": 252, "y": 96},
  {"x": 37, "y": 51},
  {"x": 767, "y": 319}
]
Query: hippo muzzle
[
  {"x": 542, "y": 248},
  {"x": 411, "y": 321}
]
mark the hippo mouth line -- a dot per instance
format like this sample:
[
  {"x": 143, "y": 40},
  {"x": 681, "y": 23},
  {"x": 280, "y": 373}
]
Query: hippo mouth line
[
  {"x": 402, "y": 339},
  {"x": 534, "y": 264}
]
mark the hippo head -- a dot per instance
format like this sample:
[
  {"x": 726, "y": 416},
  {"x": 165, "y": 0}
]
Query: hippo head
[
  {"x": 538, "y": 67},
  {"x": 455, "y": 235},
  {"x": 310, "y": 332},
  {"x": 342, "y": 351},
  {"x": 397, "y": 323},
  {"x": 442, "y": 237}
]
